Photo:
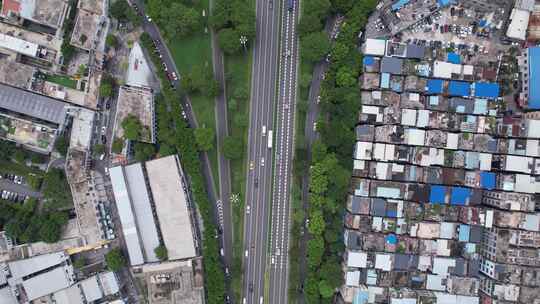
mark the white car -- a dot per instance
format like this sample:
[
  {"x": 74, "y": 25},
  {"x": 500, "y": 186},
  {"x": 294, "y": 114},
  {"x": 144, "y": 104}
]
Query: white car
[
  {"x": 247, "y": 209},
  {"x": 315, "y": 126},
  {"x": 246, "y": 253},
  {"x": 318, "y": 99},
  {"x": 273, "y": 259},
  {"x": 262, "y": 162},
  {"x": 148, "y": 18}
]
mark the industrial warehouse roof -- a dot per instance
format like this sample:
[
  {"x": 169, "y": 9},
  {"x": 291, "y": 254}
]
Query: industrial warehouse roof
[
  {"x": 140, "y": 203},
  {"x": 127, "y": 218},
  {"x": 534, "y": 78},
  {"x": 22, "y": 268},
  {"x": 31, "y": 104},
  {"x": 18, "y": 45},
  {"x": 48, "y": 282},
  {"x": 486, "y": 90},
  {"x": 164, "y": 175}
]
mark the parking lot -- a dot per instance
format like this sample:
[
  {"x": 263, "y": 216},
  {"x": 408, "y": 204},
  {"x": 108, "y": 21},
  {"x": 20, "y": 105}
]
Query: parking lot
[{"x": 10, "y": 190}]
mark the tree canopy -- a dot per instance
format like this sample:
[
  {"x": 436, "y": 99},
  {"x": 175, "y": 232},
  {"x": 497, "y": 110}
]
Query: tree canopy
[
  {"x": 315, "y": 46},
  {"x": 115, "y": 260},
  {"x": 132, "y": 127},
  {"x": 205, "y": 137},
  {"x": 144, "y": 151},
  {"x": 161, "y": 252},
  {"x": 233, "y": 147}
]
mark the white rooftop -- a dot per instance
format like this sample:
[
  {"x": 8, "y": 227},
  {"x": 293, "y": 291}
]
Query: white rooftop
[
  {"x": 519, "y": 22},
  {"x": 18, "y": 45},
  {"x": 71, "y": 295},
  {"x": 48, "y": 282},
  {"x": 90, "y": 287},
  {"x": 22, "y": 268},
  {"x": 166, "y": 184},
  {"x": 375, "y": 47},
  {"x": 140, "y": 203},
  {"x": 138, "y": 72},
  {"x": 357, "y": 259},
  {"x": 81, "y": 130},
  {"x": 127, "y": 218}
]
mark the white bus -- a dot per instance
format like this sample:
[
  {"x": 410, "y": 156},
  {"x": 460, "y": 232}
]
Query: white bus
[{"x": 270, "y": 139}]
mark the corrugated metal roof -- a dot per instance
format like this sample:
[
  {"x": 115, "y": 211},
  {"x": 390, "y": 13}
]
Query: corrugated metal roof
[
  {"x": 48, "y": 282},
  {"x": 140, "y": 202},
  {"x": 534, "y": 78},
  {"x": 32, "y": 104},
  {"x": 22, "y": 268},
  {"x": 127, "y": 218}
]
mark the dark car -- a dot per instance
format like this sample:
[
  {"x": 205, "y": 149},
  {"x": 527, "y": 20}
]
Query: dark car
[
  {"x": 108, "y": 104},
  {"x": 256, "y": 182},
  {"x": 250, "y": 287},
  {"x": 103, "y": 139}
]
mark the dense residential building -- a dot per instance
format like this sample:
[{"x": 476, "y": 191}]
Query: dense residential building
[{"x": 443, "y": 199}]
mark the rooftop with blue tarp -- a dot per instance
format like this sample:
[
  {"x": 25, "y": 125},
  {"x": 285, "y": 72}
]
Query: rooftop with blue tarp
[
  {"x": 437, "y": 194},
  {"x": 534, "y": 78},
  {"x": 391, "y": 239},
  {"x": 487, "y": 180},
  {"x": 399, "y": 4},
  {"x": 454, "y": 58},
  {"x": 459, "y": 88},
  {"x": 486, "y": 89},
  {"x": 460, "y": 196},
  {"x": 443, "y": 3},
  {"x": 368, "y": 60},
  {"x": 385, "y": 80},
  {"x": 464, "y": 232},
  {"x": 435, "y": 86},
  {"x": 361, "y": 297}
]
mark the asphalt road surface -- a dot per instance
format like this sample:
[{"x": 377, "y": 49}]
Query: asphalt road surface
[
  {"x": 259, "y": 175},
  {"x": 279, "y": 235}
]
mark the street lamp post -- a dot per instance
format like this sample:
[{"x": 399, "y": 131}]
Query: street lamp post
[{"x": 243, "y": 41}]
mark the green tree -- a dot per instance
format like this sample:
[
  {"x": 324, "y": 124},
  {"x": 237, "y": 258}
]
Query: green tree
[
  {"x": 241, "y": 120},
  {"x": 161, "y": 252},
  {"x": 221, "y": 14},
  {"x": 305, "y": 80},
  {"x": 132, "y": 127},
  {"x": 105, "y": 89},
  {"x": 19, "y": 156},
  {"x": 178, "y": 21},
  {"x": 229, "y": 41},
  {"x": 205, "y": 137},
  {"x": 111, "y": 41},
  {"x": 117, "y": 145},
  {"x": 325, "y": 289},
  {"x": 99, "y": 149},
  {"x": 115, "y": 260},
  {"x": 54, "y": 190},
  {"x": 316, "y": 222},
  {"x": 315, "y": 46},
  {"x": 144, "y": 151},
  {"x": 51, "y": 229},
  {"x": 213, "y": 88},
  {"x": 309, "y": 23},
  {"x": 61, "y": 145},
  {"x": 315, "y": 251},
  {"x": 243, "y": 18},
  {"x": 233, "y": 147},
  {"x": 345, "y": 77}
]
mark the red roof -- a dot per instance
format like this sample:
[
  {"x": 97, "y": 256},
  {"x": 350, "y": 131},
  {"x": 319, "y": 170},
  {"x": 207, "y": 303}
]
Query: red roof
[{"x": 10, "y": 6}]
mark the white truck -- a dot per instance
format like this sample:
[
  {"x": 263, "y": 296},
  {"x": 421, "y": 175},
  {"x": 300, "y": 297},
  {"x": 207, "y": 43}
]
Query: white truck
[{"x": 270, "y": 138}]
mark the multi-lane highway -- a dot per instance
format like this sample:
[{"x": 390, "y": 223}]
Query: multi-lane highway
[
  {"x": 284, "y": 130},
  {"x": 259, "y": 174}
]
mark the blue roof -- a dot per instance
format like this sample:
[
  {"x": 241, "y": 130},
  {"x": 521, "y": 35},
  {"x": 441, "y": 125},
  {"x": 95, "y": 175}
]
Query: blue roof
[
  {"x": 437, "y": 194},
  {"x": 487, "y": 180},
  {"x": 444, "y": 3},
  {"x": 435, "y": 86},
  {"x": 385, "y": 80},
  {"x": 460, "y": 196},
  {"x": 391, "y": 239},
  {"x": 464, "y": 232},
  {"x": 361, "y": 297},
  {"x": 486, "y": 89},
  {"x": 454, "y": 58},
  {"x": 368, "y": 60},
  {"x": 391, "y": 213},
  {"x": 459, "y": 88},
  {"x": 534, "y": 78},
  {"x": 399, "y": 4},
  {"x": 482, "y": 23}
]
